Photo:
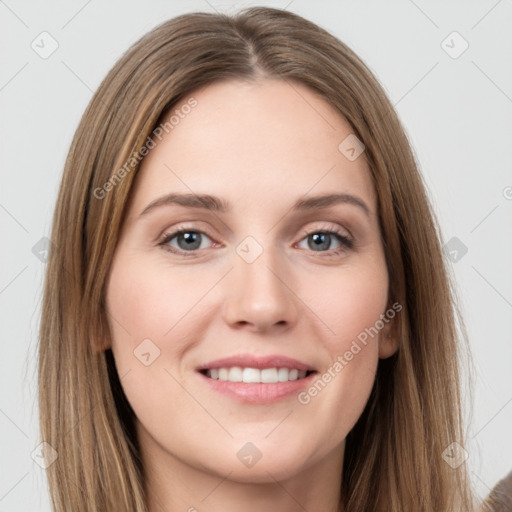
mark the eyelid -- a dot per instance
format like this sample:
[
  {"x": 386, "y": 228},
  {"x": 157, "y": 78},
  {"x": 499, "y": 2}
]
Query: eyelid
[
  {"x": 347, "y": 240},
  {"x": 185, "y": 226},
  {"x": 328, "y": 228},
  {"x": 168, "y": 235}
]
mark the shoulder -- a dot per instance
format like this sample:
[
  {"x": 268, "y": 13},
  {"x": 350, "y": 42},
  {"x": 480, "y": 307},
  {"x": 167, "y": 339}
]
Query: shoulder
[{"x": 500, "y": 498}]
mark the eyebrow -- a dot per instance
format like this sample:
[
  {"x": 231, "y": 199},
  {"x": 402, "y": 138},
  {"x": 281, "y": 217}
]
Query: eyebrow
[{"x": 216, "y": 204}]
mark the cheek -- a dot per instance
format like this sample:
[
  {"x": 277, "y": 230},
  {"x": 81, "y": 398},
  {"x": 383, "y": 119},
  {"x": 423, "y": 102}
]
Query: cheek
[
  {"x": 150, "y": 314},
  {"x": 157, "y": 316},
  {"x": 349, "y": 301},
  {"x": 145, "y": 304},
  {"x": 352, "y": 323}
]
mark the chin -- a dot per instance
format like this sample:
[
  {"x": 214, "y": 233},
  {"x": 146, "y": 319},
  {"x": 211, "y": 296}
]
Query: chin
[
  {"x": 260, "y": 461},
  {"x": 264, "y": 471}
]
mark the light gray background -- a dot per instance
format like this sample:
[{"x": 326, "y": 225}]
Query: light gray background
[{"x": 456, "y": 111}]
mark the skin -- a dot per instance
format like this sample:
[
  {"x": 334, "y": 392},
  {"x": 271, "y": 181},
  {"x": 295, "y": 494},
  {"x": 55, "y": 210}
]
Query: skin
[{"x": 261, "y": 146}]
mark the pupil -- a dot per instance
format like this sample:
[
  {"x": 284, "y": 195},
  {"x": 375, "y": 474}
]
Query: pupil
[
  {"x": 321, "y": 240},
  {"x": 191, "y": 239}
]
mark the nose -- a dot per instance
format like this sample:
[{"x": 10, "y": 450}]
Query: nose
[{"x": 258, "y": 295}]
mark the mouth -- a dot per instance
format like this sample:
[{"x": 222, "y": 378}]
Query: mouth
[
  {"x": 257, "y": 380},
  {"x": 250, "y": 375}
]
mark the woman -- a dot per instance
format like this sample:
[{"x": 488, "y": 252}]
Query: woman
[{"x": 248, "y": 307}]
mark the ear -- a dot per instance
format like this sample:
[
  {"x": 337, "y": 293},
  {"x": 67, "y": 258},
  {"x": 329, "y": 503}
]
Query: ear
[
  {"x": 100, "y": 345},
  {"x": 101, "y": 340},
  {"x": 389, "y": 340}
]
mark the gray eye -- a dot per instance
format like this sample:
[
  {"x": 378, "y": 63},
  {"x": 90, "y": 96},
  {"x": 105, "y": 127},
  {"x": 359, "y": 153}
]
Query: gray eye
[
  {"x": 188, "y": 240},
  {"x": 320, "y": 241}
]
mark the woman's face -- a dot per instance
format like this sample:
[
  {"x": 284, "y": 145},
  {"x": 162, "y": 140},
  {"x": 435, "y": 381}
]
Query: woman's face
[{"x": 266, "y": 283}]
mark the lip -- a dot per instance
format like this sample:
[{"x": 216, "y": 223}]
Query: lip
[
  {"x": 258, "y": 393},
  {"x": 259, "y": 362}
]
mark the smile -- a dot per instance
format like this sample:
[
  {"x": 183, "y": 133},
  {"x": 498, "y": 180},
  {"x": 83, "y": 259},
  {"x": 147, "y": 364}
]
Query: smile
[{"x": 255, "y": 375}]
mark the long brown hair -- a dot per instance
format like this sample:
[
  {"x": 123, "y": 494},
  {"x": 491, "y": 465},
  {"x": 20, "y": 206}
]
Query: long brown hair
[{"x": 393, "y": 456}]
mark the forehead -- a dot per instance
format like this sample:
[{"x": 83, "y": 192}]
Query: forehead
[{"x": 259, "y": 143}]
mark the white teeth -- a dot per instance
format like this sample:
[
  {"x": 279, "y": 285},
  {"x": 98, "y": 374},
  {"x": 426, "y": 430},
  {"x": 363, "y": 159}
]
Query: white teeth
[
  {"x": 255, "y": 375},
  {"x": 282, "y": 374},
  {"x": 235, "y": 374},
  {"x": 269, "y": 375},
  {"x": 251, "y": 375}
]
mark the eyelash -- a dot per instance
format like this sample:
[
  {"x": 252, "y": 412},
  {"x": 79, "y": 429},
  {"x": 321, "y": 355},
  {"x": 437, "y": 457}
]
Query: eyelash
[{"x": 346, "y": 242}]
